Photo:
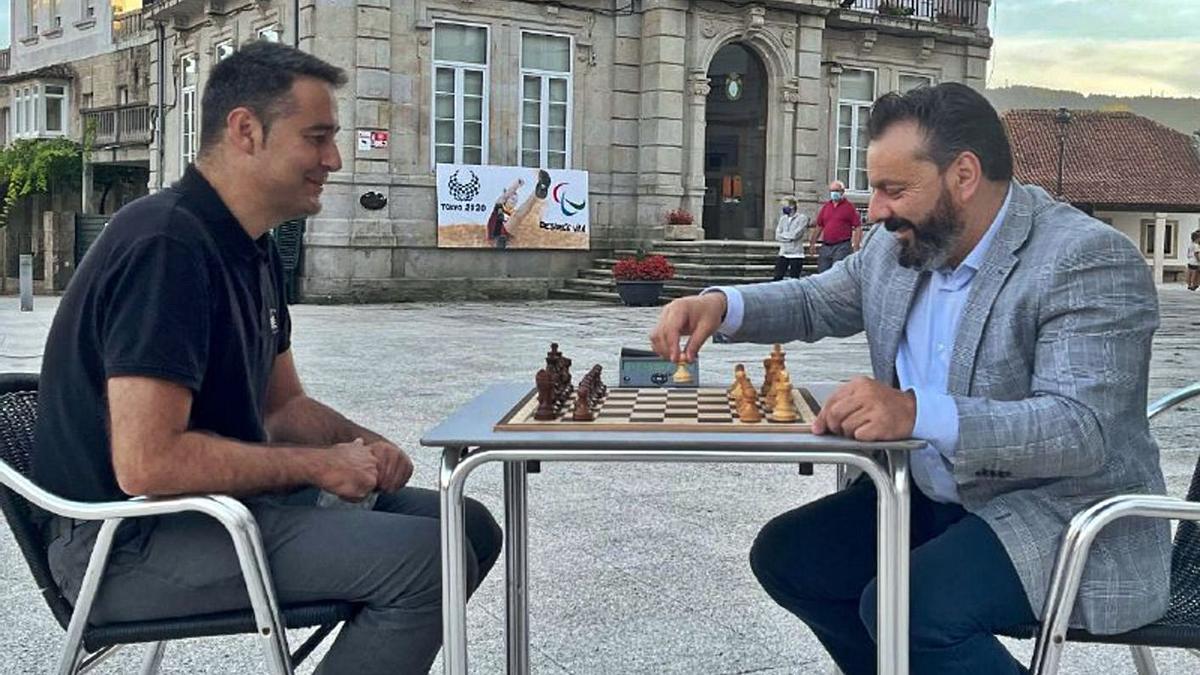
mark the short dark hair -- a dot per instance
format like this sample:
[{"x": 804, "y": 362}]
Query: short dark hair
[
  {"x": 258, "y": 76},
  {"x": 955, "y": 119}
]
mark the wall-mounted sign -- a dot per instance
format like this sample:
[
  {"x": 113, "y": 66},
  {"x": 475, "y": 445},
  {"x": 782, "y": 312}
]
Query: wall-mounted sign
[
  {"x": 372, "y": 140},
  {"x": 511, "y": 207}
]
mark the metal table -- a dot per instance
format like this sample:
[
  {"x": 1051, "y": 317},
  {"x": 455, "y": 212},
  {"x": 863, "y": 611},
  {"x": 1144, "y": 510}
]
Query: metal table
[{"x": 468, "y": 441}]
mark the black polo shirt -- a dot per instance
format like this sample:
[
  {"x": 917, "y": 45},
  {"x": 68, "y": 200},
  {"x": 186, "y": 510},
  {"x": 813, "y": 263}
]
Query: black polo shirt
[{"x": 173, "y": 289}]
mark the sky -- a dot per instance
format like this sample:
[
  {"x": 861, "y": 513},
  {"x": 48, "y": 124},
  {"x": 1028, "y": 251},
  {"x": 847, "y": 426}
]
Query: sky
[{"x": 1121, "y": 47}]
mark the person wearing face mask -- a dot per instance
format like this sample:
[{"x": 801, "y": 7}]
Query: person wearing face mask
[
  {"x": 1010, "y": 332},
  {"x": 789, "y": 232},
  {"x": 838, "y": 228}
]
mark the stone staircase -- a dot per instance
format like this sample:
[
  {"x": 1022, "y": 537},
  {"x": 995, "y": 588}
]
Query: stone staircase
[{"x": 698, "y": 265}]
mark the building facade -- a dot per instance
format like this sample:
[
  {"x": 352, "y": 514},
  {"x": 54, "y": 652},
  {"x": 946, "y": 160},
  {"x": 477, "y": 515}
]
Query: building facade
[
  {"x": 719, "y": 108},
  {"x": 79, "y": 70}
]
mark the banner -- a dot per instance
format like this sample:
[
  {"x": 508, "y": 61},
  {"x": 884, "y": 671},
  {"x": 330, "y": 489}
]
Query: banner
[{"x": 511, "y": 207}]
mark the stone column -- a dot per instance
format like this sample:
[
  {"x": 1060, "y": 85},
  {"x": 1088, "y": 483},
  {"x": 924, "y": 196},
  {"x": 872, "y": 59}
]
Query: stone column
[
  {"x": 660, "y": 121},
  {"x": 85, "y": 199},
  {"x": 811, "y": 136},
  {"x": 1160, "y": 245},
  {"x": 59, "y": 249},
  {"x": 697, "y": 91}
]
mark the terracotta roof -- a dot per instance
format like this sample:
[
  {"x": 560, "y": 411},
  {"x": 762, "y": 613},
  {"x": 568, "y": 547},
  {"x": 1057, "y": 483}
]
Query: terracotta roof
[{"x": 1112, "y": 159}]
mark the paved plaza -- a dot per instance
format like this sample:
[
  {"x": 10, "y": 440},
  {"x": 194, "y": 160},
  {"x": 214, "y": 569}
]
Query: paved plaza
[{"x": 635, "y": 568}]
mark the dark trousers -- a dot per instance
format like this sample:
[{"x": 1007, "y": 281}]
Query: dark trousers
[
  {"x": 790, "y": 266},
  {"x": 387, "y": 558},
  {"x": 818, "y": 562},
  {"x": 829, "y": 254}
]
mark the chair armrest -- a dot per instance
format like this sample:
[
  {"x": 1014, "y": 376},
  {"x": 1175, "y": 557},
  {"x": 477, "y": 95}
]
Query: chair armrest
[
  {"x": 1072, "y": 556},
  {"x": 1172, "y": 399}
]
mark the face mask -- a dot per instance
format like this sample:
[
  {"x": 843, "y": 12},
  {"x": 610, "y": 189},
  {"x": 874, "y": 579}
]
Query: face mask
[
  {"x": 835, "y": 196},
  {"x": 787, "y": 210}
]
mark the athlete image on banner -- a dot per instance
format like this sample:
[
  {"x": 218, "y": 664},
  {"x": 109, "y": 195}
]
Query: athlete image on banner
[{"x": 506, "y": 207}]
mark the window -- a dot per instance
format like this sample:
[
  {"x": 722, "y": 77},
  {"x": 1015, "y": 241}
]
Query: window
[
  {"x": 460, "y": 70},
  {"x": 545, "y": 139},
  {"x": 187, "y": 108},
  {"x": 56, "y": 109},
  {"x": 89, "y": 9},
  {"x": 908, "y": 82},
  {"x": 39, "y": 109},
  {"x": 86, "y": 102},
  {"x": 223, "y": 50},
  {"x": 122, "y": 95},
  {"x": 269, "y": 33},
  {"x": 55, "y": 13},
  {"x": 856, "y": 93},
  {"x": 32, "y": 9},
  {"x": 1148, "y": 237}
]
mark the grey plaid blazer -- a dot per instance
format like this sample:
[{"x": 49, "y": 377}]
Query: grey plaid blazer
[{"x": 1049, "y": 372}]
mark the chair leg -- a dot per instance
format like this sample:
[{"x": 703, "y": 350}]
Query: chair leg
[
  {"x": 73, "y": 653},
  {"x": 1143, "y": 660},
  {"x": 152, "y": 660}
]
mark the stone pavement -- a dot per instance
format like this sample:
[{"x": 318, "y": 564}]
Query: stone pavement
[{"x": 634, "y": 568}]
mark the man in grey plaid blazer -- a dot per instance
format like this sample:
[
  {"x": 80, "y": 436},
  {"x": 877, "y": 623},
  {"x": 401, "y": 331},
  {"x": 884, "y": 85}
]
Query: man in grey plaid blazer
[{"x": 1012, "y": 333}]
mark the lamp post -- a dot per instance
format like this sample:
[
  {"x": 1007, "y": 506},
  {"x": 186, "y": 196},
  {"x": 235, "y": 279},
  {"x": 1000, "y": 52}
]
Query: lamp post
[{"x": 1063, "y": 117}]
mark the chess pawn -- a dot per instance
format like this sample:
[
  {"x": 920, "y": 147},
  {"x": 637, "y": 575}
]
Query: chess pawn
[
  {"x": 547, "y": 402},
  {"x": 784, "y": 409},
  {"x": 583, "y": 406},
  {"x": 747, "y": 392},
  {"x": 768, "y": 377},
  {"x": 739, "y": 374},
  {"x": 682, "y": 374},
  {"x": 747, "y": 410}
]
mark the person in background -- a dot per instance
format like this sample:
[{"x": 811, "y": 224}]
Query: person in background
[
  {"x": 789, "y": 232},
  {"x": 838, "y": 228}
]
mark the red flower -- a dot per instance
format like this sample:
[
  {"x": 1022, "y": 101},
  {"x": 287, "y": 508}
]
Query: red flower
[
  {"x": 679, "y": 217},
  {"x": 646, "y": 268}
]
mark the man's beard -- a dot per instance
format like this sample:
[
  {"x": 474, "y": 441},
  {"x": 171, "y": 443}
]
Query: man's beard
[{"x": 932, "y": 241}]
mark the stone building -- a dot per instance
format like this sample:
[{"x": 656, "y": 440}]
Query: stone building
[
  {"x": 719, "y": 108},
  {"x": 76, "y": 69}
]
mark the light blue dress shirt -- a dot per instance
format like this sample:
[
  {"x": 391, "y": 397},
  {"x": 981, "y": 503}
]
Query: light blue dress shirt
[{"x": 923, "y": 360}]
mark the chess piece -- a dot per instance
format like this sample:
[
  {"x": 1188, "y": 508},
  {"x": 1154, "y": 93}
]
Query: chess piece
[
  {"x": 583, "y": 409},
  {"x": 747, "y": 410},
  {"x": 682, "y": 374},
  {"x": 784, "y": 408},
  {"x": 747, "y": 392},
  {"x": 547, "y": 401},
  {"x": 768, "y": 377},
  {"x": 739, "y": 374}
]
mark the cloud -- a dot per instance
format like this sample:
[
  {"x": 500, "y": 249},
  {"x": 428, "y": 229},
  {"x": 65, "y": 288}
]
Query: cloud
[{"x": 1093, "y": 66}]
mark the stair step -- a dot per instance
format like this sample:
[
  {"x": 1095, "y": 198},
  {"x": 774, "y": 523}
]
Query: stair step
[{"x": 568, "y": 294}]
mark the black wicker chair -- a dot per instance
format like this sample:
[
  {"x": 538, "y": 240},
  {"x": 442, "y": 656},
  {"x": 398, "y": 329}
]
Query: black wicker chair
[
  {"x": 1180, "y": 627},
  {"x": 88, "y": 644},
  {"x": 289, "y": 237}
]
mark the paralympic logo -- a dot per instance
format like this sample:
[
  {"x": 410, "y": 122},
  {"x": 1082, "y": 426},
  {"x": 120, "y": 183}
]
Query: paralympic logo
[{"x": 569, "y": 208}]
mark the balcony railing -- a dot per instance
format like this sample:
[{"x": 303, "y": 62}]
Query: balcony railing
[
  {"x": 5, "y": 57},
  {"x": 947, "y": 12},
  {"x": 128, "y": 25},
  {"x": 119, "y": 125}
]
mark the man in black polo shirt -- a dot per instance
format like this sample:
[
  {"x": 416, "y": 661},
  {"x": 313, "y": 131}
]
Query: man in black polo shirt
[{"x": 168, "y": 371}]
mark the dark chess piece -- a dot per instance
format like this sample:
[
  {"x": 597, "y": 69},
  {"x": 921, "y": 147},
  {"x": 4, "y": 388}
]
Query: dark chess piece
[
  {"x": 547, "y": 403},
  {"x": 583, "y": 406}
]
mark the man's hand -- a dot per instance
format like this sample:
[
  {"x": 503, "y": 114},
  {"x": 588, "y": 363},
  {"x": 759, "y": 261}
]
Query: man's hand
[
  {"x": 867, "y": 410},
  {"x": 698, "y": 316},
  {"x": 395, "y": 466},
  {"x": 348, "y": 470}
]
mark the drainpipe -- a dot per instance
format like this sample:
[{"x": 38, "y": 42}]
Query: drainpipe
[
  {"x": 160, "y": 40},
  {"x": 296, "y": 23}
]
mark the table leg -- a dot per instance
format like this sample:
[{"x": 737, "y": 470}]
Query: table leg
[
  {"x": 454, "y": 565},
  {"x": 898, "y": 465},
  {"x": 516, "y": 568}
]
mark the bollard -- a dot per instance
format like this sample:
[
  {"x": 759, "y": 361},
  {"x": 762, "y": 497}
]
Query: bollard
[{"x": 26, "y": 283}]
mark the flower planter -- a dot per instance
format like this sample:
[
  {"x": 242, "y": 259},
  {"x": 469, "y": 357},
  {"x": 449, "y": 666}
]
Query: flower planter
[{"x": 639, "y": 293}]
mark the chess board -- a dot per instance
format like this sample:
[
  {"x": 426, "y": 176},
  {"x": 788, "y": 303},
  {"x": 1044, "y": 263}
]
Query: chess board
[{"x": 650, "y": 409}]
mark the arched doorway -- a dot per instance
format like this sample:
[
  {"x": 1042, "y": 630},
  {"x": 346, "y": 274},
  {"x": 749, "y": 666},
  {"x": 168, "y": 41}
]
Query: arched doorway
[{"x": 735, "y": 147}]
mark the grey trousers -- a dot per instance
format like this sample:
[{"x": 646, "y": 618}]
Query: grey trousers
[
  {"x": 827, "y": 255},
  {"x": 388, "y": 559}
]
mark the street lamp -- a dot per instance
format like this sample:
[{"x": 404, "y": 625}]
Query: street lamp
[{"x": 1063, "y": 117}]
